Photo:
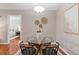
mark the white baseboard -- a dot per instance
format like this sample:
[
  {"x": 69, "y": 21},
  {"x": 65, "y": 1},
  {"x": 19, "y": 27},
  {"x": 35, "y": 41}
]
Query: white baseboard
[
  {"x": 4, "y": 43},
  {"x": 63, "y": 51}
]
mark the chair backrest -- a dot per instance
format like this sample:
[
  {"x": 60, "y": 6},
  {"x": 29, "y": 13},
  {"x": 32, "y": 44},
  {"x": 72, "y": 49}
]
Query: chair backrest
[
  {"x": 30, "y": 50},
  {"x": 23, "y": 48},
  {"x": 57, "y": 45},
  {"x": 46, "y": 44},
  {"x": 51, "y": 50},
  {"x": 21, "y": 44},
  {"x": 31, "y": 44}
]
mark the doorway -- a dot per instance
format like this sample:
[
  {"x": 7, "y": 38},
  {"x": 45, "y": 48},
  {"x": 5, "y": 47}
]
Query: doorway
[{"x": 14, "y": 26}]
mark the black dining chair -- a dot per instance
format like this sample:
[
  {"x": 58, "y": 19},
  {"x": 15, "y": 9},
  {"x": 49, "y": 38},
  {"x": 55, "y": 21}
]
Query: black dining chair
[
  {"x": 30, "y": 50},
  {"x": 23, "y": 48},
  {"x": 51, "y": 50},
  {"x": 47, "y": 44}
]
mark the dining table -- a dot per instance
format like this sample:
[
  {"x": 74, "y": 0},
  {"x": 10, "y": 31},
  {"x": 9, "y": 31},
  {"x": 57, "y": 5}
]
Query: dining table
[{"x": 42, "y": 45}]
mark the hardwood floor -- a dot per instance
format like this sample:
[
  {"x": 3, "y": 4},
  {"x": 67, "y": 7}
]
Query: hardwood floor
[
  {"x": 4, "y": 49},
  {"x": 14, "y": 46},
  {"x": 11, "y": 48}
]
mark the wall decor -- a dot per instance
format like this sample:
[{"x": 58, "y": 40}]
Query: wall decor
[
  {"x": 44, "y": 20},
  {"x": 71, "y": 20},
  {"x": 36, "y": 22},
  {"x": 40, "y": 26},
  {"x": 40, "y": 23}
]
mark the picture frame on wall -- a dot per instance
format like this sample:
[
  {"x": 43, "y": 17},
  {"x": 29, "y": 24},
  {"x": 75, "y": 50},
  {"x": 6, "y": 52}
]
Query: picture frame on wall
[{"x": 71, "y": 20}]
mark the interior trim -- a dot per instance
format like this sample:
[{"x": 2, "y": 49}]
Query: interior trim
[{"x": 62, "y": 51}]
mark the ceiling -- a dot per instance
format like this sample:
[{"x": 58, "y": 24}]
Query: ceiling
[{"x": 29, "y": 6}]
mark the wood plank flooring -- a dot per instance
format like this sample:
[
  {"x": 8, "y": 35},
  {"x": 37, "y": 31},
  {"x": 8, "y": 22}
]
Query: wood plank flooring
[
  {"x": 11, "y": 48},
  {"x": 14, "y": 46},
  {"x": 4, "y": 49}
]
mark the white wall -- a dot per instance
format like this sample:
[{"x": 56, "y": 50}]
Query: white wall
[
  {"x": 69, "y": 42},
  {"x": 3, "y": 29},
  {"x": 28, "y": 17},
  {"x": 29, "y": 28}
]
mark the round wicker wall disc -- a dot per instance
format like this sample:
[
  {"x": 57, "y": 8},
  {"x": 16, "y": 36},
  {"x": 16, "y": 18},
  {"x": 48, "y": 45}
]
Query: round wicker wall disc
[
  {"x": 44, "y": 20},
  {"x": 36, "y": 22},
  {"x": 40, "y": 26}
]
